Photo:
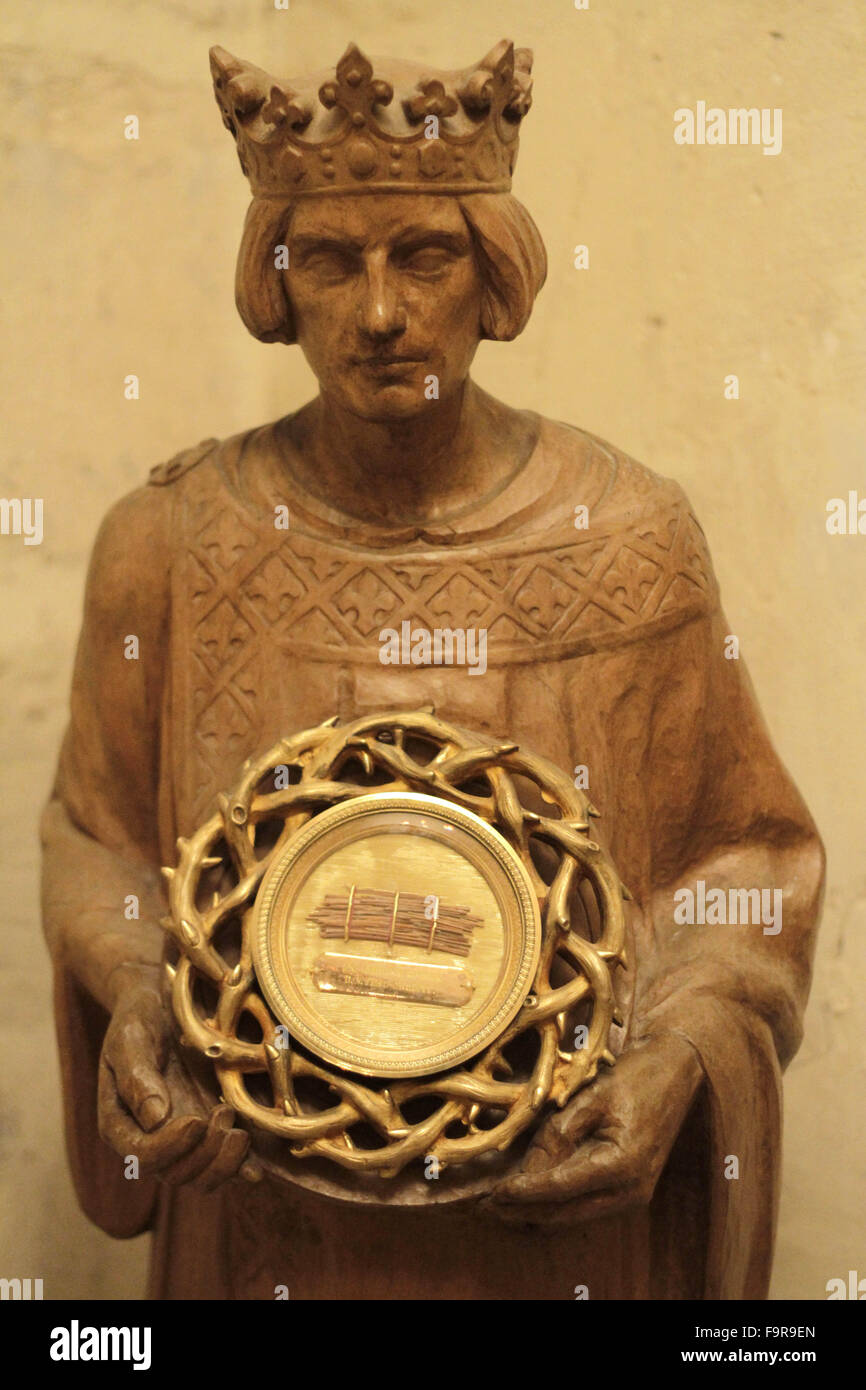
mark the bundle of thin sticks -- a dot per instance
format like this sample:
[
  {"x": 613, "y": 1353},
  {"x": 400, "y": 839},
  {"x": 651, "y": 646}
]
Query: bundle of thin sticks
[{"x": 405, "y": 919}]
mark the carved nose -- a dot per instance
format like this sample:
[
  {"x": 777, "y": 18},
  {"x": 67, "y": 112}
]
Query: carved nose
[{"x": 380, "y": 315}]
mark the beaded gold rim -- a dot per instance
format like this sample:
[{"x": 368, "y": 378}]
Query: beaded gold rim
[{"x": 522, "y": 921}]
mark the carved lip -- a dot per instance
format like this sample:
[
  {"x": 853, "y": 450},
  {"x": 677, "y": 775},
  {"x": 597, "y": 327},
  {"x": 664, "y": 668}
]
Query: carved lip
[{"x": 378, "y": 362}]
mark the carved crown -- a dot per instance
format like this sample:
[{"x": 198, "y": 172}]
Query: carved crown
[{"x": 354, "y": 129}]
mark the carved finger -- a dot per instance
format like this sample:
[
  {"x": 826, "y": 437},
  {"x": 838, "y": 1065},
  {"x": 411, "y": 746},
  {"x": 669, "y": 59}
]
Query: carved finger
[
  {"x": 227, "y": 1162},
  {"x": 192, "y": 1164},
  {"x": 139, "y": 1081},
  {"x": 595, "y": 1166},
  {"x": 123, "y": 1133},
  {"x": 251, "y": 1170},
  {"x": 159, "y": 1032},
  {"x": 599, "y": 1181},
  {"x": 556, "y": 1140}
]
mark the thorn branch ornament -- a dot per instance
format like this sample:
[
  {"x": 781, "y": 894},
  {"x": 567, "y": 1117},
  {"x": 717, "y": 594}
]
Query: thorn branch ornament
[{"x": 484, "y": 1103}]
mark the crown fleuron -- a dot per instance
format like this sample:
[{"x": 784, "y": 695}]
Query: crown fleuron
[{"x": 358, "y": 129}]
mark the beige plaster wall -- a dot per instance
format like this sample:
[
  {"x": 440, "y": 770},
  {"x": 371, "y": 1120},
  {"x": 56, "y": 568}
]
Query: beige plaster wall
[{"x": 703, "y": 262}]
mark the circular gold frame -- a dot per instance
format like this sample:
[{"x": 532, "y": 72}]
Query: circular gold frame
[
  {"x": 373, "y": 1124},
  {"x": 478, "y": 841}
]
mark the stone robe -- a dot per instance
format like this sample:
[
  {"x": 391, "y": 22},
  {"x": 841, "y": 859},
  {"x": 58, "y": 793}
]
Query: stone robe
[{"x": 606, "y": 649}]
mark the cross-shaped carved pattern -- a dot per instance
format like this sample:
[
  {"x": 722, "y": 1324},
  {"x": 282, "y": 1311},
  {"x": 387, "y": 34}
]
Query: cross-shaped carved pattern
[
  {"x": 273, "y": 589},
  {"x": 224, "y": 538},
  {"x": 630, "y": 579},
  {"x": 222, "y": 636},
  {"x": 251, "y": 596},
  {"x": 367, "y": 601},
  {"x": 543, "y": 596},
  {"x": 462, "y": 594},
  {"x": 338, "y": 598},
  {"x": 223, "y": 729}
]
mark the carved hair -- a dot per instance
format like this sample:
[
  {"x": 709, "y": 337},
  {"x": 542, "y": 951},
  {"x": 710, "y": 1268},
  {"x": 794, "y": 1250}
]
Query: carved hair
[{"x": 508, "y": 245}]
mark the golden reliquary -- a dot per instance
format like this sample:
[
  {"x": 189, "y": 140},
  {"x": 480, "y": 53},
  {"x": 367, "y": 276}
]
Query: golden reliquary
[{"x": 381, "y": 907}]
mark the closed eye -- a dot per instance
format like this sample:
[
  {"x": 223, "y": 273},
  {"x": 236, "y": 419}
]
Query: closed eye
[
  {"x": 429, "y": 262},
  {"x": 329, "y": 264},
  {"x": 431, "y": 255}
]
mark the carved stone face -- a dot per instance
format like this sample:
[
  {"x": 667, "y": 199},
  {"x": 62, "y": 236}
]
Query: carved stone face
[{"x": 386, "y": 293}]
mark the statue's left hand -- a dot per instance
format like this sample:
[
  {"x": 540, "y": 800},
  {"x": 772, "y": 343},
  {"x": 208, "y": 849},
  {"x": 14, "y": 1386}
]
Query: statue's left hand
[{"x": 605, "y": 1151}]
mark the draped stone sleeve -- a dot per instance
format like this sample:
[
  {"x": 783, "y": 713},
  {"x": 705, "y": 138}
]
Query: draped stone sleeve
[
  {"x": 722, "y": 811},
  {"x": 654, "y": 706},
  {"x": 99, "y": 833}
]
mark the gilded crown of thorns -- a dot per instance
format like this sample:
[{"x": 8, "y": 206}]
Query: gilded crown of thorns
[{"x": 551, "y": 1048}]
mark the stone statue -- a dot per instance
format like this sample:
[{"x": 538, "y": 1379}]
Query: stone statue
[{"x": 384, "y": 240}]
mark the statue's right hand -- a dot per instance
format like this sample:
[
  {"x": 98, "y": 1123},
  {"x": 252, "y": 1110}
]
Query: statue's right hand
[{"x": 149, "y": 1108}]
